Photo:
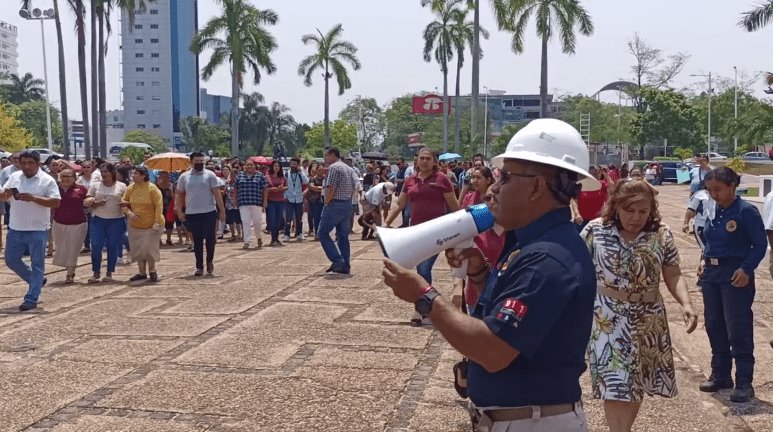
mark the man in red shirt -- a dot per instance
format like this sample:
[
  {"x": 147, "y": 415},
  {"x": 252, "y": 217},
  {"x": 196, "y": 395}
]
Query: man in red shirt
[{"x": 589, "y": 204}]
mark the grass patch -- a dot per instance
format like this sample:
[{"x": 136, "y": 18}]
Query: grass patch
[{"x": 752, "y": 191}]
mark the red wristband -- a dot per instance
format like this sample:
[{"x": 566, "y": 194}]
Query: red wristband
[{"x": 425, "y": 290}]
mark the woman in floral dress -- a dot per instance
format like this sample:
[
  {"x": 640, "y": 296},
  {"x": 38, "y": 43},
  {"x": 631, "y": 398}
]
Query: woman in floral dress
[{"x": 630, "y": 347}]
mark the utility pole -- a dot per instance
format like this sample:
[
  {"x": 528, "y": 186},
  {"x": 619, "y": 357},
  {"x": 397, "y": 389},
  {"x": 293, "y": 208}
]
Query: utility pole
[{"x": 735, "y": 109}]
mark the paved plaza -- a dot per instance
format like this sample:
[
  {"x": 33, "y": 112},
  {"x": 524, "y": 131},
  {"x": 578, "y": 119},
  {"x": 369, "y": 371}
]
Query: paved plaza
[{"x": 272, "y": 343}]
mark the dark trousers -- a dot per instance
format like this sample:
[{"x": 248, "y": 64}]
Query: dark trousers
[
  {"x": 294, "y": 212},
  {"x": 87, "y": 241},
  {"x": 274, "y": 213},
  {"x": 729, "y": 322},
  {"x": 315, "y": 215},
  {"x": 202, "y": 227}
]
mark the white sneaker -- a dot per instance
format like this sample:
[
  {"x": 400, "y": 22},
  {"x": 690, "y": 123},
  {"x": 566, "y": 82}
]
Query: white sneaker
[
  {"x": 300, "y": 238},
  {"x": 287, "y": 238}
]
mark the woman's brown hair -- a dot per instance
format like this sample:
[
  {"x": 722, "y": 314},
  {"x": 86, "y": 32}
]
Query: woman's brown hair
[{"x": 626, "y": 192}]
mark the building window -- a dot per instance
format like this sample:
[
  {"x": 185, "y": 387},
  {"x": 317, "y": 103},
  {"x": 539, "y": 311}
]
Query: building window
[
  {"x": 137, "y": 26},
  {"x": 155, "y": 83},
  {"x": 156, "y": 98},
  {"x": 154, "y": 11},
  {"x": 139, "y": 41},
  {"x": 154, "y": 55},
  {"x": 155, "y": 69},
  {"x": 140, "y": 112},
  {"x": 139, "y": 98},
  {"x": 140, "y": 126},
  {"x": 139, "y": 69},
  {"x": 140, "y": 83},
  {"x": 5, "y": 46},
  {"x": 154, "y": 26},
  {"x": 139, "y": 55},
  {"x": 154, "y": 41},
  {"x": 156, "y": 126},
  {"x": 138, "y": 12}
]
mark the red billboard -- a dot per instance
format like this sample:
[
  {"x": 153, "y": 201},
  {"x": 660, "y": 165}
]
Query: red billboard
[{"x": 429, "y": 104}]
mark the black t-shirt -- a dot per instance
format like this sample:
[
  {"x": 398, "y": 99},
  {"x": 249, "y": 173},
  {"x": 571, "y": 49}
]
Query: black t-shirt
[{"x": 540, "y": 302}]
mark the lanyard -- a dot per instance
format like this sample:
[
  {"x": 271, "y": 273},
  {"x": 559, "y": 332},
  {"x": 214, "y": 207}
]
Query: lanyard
[{"x": 293, "y": 178}]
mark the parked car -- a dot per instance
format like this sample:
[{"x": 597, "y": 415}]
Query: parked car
[
  {"x": 755, "y": 156},
  {"x": 670, "y": 168},
  {"x": 715, "y": 156}
]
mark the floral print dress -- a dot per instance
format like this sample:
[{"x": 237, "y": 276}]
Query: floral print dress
[{"x": 629, "y": 352}]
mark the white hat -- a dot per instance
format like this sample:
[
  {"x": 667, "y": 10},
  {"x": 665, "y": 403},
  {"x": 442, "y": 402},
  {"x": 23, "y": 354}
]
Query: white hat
[
  {"x": 389, "y": 186},
  {"x": 551, "y": 142}
]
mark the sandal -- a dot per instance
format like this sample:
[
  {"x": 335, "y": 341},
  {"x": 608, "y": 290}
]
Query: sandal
[{"x": 69, "y": 279}]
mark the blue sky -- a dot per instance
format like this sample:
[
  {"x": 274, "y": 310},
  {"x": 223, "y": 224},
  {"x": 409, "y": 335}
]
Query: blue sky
[{"x": 388, "y": 34}]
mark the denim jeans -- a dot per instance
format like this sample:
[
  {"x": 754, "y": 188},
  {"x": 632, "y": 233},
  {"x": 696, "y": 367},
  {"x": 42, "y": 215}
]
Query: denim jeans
[
  {"x": 406, "y": 216},
  {"x": 17, "y": 243},
  {"x": 315, "y": 213},
  {"x": 106, "y": 232},
  {"x": 336, "y": 215},
  {"x": 729, "y": 322},
  {"x": 87, "y": 241},
  {"x": 202, "y": 227},
  {"x": 294, "y": 211},
  {"x": 424, "y": 269},
  {"x": 274, "y": 211}
]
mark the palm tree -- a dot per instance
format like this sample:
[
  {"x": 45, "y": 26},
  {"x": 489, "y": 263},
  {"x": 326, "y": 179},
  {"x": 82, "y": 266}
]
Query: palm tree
[
  {"x": 758, "y": 17},
  {"x": 463, "y": 35},
  {"x": 561, "y": 16},
  {"x": 24, "y": 88},
  {"x": 439, "y": 42},
  {"x": 62, "y": 81},
  {"x": 94, "y": 77},
  {"x": 253, "y": 123},
  {"x": 245, "y": 44},
  {"x": 331, "y": 53},
  {"x": 79, "y": 8},
  {"x": 279, "y": 120}
]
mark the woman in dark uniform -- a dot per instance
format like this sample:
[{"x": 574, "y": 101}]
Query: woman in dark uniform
[{"x": 735, "y": 245}]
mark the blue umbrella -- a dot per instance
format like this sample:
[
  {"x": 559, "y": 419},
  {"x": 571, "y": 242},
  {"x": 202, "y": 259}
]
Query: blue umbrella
[{"x": 450, "y": 156}]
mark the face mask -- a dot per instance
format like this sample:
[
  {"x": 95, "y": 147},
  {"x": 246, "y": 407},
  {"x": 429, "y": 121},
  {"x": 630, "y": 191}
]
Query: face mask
[{"x": 198, "y": 166}]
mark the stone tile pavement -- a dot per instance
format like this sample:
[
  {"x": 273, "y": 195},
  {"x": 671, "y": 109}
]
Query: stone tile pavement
[{"x": 271, "y": 343}]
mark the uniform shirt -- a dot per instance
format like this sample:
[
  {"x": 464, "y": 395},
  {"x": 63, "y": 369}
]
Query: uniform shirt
[
  {"x": 426, "y": 196},
  {"x": 697, "y": 175},
  {"x": 70, "y": 210},
  {"x": 767, "y": 211},
  {"x": 295, "y": 182},
  {"x": 29, "y": 216},
  {"x": 250, "y": 189},
  {"x": 198, "y": 186},
  {"x": 703, "y": 206},
  {"x": 540, "y": 302},
  {"x": 341, "y": 177},
  {"x": 736, "y": 232}
]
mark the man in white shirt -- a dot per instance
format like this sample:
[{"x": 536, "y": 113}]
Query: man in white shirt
[
  {"x": 4, "y": 175},
  {"x": 767, "y": 218},
  {"x": 371, "y": 205},
  {"x": 32, "y": 194}
]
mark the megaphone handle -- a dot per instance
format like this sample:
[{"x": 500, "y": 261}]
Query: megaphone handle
[{"x": 461, "y": 271}]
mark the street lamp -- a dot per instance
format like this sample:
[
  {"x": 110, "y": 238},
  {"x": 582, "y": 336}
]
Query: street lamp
[
  {"x": 708, "y": 140},
  {"x": 485, "y": 124},
  {"x": 41, "y": 15},
  {"x": 735, "y": 109}
]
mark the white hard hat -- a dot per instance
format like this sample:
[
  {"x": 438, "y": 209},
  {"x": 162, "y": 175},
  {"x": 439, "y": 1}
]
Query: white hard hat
[
  {"x": 390, "y": 187},
  {"x": 551, "y": 142}
]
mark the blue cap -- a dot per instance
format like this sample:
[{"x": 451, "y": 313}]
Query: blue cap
[{"x": 482, "y": 216}]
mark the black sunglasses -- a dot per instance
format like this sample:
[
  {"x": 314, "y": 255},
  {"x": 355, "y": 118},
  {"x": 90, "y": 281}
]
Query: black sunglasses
[{"x": 505, "y": 176}]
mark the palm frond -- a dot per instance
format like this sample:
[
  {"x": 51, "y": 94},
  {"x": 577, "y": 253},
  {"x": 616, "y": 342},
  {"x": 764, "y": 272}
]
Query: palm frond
[
  {"x": 342, "y": 76},
  {"x": 758, "y": 17}
]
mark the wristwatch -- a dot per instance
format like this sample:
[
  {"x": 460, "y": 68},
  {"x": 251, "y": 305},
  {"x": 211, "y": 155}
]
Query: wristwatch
[{"x": 424, "y": 303}]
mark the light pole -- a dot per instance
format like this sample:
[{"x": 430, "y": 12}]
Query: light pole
[
  {"x": 41, "y": 15},
  {"x": 735, "y": 109},
  {"x": 485, "y": 125},
  {"x": 708, "y": 139}
]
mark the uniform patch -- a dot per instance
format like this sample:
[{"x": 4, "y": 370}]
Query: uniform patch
[
  {"x": 506, "y": 263},
  {"x": 731, "y": 226},
  {"x": 512, "y": 311}
]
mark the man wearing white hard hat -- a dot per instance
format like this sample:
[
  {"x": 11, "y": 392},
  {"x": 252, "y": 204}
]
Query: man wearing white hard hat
[
  {"x": 371, "y": 204},
  {"x": 527, "y": 335}
]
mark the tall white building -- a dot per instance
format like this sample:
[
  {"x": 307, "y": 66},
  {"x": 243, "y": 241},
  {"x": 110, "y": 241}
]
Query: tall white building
[
  {"x": 160, "y": 75},
  {"x": 9, "y": 49}
]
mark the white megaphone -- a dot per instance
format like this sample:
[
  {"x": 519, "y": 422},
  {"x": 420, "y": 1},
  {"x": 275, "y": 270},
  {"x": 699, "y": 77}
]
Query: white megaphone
[{"x": 410, "y": 246}]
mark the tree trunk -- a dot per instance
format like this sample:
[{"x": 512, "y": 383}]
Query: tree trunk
[
  {"x": 445, "y": 108},
  {"x": 475, "y": 75},
  {"x": 457, "y": 111},
  {"x": 327, "y": 106},
  {"x": 235, "y": 113},
  {"x": 81, "y": 28},
  {"x": 102, "y": 93},
  {"x": 94, "y": 79},
  {"x": 62, "y": 82},
  {"x": 543, "y": 81}
]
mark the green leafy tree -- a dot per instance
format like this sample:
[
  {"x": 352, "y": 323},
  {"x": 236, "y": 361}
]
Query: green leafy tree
[
  {"x": 200, "y": 135},
  {"x": 149, "y": 138},
  {"x": 368, "y": 117},
  {"x": 136, "y": 154},
  {"x": 33, "y": 116},
  {"x": 670, "y": 116},
  {"x": 13, "y": 135},
  {"x": 331, "y": 52},
  {"x": 239, "y": 37},
  {"x": 565, "y": 17},
  {"x": 22, "y": 89},
  {"x": 604, "y": 118},
  {"x": 651, "y": 68},
  {"x": 343, "y": 136}
]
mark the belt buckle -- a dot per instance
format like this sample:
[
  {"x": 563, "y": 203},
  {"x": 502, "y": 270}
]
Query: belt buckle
[{"x": 714, "y": 261}]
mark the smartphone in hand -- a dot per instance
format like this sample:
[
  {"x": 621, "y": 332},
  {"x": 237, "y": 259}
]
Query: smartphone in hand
[{"x": 15, "y": 192}]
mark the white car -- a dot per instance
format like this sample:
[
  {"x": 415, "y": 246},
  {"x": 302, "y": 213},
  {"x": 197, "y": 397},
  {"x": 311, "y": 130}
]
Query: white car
[
  {"x": 46, "y": 153},
  {"x": 716, "y": 156}
]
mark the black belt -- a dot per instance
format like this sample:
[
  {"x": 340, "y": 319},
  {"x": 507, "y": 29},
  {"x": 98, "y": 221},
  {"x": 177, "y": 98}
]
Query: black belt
[{"x": 717, "y": 262}]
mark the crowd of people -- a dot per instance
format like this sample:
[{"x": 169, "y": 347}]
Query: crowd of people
[{"x": 570, "y": 274}]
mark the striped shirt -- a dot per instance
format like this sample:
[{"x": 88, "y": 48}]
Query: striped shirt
[
  {"x": 341, "y": 177},
  {"x": 249, "y": 189}
]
